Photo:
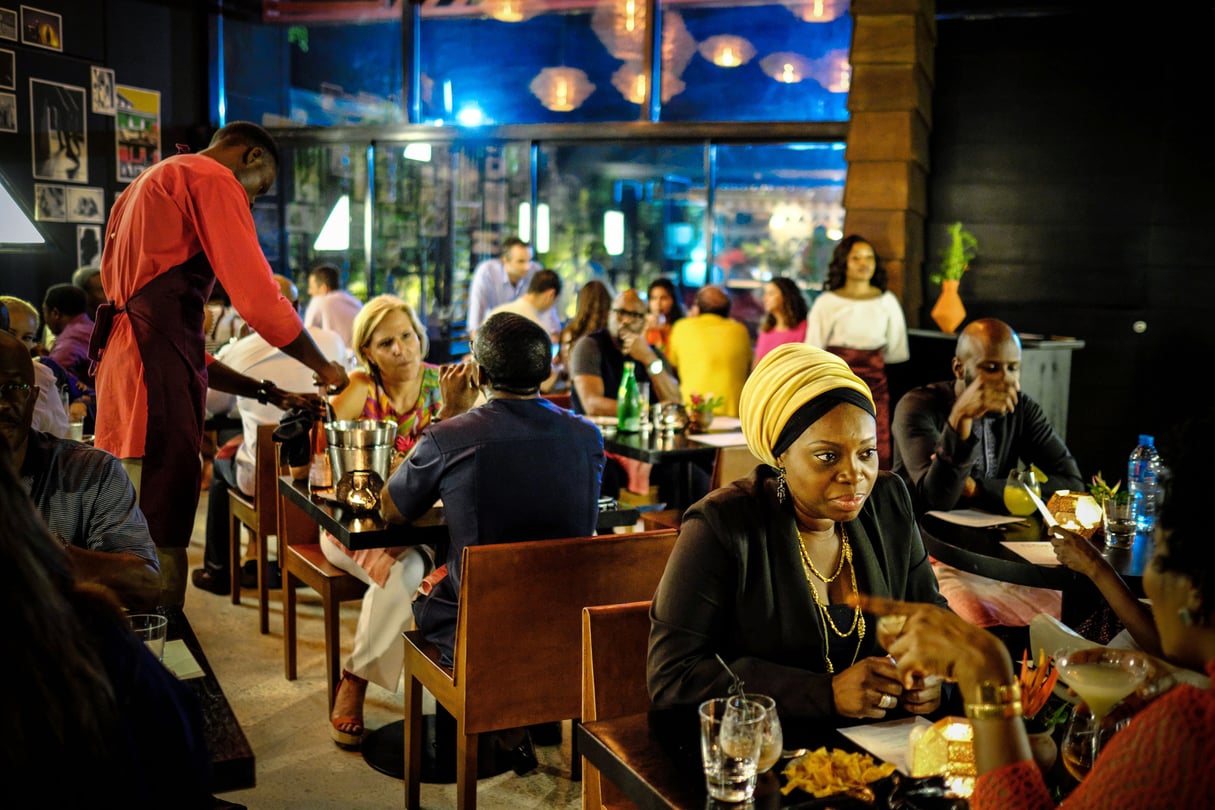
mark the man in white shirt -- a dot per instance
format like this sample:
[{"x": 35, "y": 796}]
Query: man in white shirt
[
  {"x": 329, "y": 306},
  {"x": 498, "y": 281},
  {"x": 537, "y": 304},
  {"x": 253, "y": 357},
  {"x": 19, "y": 318}
]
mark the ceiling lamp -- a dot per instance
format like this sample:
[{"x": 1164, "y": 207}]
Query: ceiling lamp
[
  {"x": 511, "y": 11},
  {"x": 786, "y": 67},
  {"x": 833, "y": 71},
  {"x": 817, "y": 11},
  {"x": 630, "y": 80},
  {"x": 727, "y": 50},
  {"x": 621, "y": 27},
  {"x": 561, "y": 89}
]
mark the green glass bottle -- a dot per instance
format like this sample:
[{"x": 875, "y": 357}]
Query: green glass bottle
[{"x": 628, "y": 402}]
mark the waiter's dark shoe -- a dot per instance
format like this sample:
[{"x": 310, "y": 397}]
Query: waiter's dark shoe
[
  {"x": 210, "y": 581},
  {"x": 523, "y": 757}
]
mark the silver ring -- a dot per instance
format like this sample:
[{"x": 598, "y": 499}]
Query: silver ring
[{"x": 887, "y": 702}]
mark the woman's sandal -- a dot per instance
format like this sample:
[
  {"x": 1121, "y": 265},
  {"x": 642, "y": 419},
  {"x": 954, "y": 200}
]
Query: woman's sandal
[{"x": 347, "y": 731}]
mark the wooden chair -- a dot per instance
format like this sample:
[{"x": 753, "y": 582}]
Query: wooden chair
[
  {"x": 518, "y": 639},
  {"x": 730, "y": 464},
  {"x": 260, "y": 514},
  {"x": 561, "y": 400},
  {"x": 302, "y": 560},
  {"x": 615, "y": 644}
]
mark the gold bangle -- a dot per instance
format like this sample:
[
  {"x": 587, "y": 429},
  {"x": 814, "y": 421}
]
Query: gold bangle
[{"x": 995, "y": 700}]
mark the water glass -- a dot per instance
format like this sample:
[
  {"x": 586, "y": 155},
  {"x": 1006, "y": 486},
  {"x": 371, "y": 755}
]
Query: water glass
[
  {"x": 774, "y": 738},
  {"x": 152, "y": 629},
  {"x": 1118, "y": 520},
  {"x": 731, "y": 738}
]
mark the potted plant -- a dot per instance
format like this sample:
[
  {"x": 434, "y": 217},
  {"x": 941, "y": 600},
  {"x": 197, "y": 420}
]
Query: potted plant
[
  {"x": 948, "y": 312},
  {"x": 1041, "y": 709},
  {"x": 700, "y": 410}
]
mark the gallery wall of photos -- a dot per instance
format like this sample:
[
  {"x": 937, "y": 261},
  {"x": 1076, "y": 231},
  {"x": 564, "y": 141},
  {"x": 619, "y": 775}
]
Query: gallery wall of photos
[{"x": 80, "y": 117}]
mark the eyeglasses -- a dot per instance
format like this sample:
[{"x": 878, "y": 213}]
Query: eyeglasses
[
  {"x": 628, "y": 314},
  {"x": 16, "y": 392}
]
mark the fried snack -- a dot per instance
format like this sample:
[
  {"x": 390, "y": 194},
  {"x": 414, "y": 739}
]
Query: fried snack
[{"x": 825, "y": 773}]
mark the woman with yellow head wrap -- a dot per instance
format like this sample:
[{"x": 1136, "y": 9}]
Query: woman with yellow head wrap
[{"x": 763, "y": 567}]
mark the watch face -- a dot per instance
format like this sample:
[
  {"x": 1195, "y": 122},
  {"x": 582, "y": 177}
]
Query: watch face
[{"x": 656, "y": 367}]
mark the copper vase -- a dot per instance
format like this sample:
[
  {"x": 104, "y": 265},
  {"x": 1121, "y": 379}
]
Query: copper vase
[{"x": 948, "y": 312}]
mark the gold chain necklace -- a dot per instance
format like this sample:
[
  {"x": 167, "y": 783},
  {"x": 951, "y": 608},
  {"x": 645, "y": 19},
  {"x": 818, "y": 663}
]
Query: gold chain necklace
[{"x": 858, "y": 620}]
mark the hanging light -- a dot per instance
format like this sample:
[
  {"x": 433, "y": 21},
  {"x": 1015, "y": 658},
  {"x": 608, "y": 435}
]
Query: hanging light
[
  {"x": 561, "y": 89},
  {"x": 833, "y": 71},
  {"x": 621, "y": 27},
  {"x": 786, "y": 67},
  {"x": 727, "y": 50},
  {"x": 817, "y": 11},
  {"x": 511, "y": 11},
  {"x": 630, "y": 80}
]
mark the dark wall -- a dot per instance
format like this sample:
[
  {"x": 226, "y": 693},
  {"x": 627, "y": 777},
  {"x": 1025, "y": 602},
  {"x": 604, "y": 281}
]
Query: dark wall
[
  {"x": 151, "y": 45},
  {"x": 1070, "y": 145}
]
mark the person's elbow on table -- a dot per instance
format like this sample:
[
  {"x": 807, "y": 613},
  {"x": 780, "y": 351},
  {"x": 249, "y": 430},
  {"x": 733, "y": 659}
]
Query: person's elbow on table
[{"x": 389, "y": 509}]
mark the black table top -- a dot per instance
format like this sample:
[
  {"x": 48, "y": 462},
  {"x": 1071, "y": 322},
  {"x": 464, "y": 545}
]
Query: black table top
[
  {"x": 979, "y": 551},
  {"x": 654, "y": 758},
  {"x": 232, "y": 760},
  {"x": 657, "y": 447},
  {"x": 370, "y": 530}
]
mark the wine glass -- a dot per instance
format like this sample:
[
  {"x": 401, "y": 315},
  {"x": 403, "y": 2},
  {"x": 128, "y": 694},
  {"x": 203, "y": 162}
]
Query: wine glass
[
  {"x": 1102, "y": 677},
  {"x": 1016, "y": 499},
  {"x": 774, "y": 738}
]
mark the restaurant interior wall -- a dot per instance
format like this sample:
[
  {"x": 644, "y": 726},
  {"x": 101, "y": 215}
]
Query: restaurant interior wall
[{"x": 1068, "y": 142}]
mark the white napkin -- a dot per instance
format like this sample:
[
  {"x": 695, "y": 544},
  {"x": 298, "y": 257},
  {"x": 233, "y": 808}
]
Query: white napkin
[
  {"x": 887, "y": 741},
  {"x": 734, "y": 439},
  {"x": 974, "y": 518},
  {"x": 1037, "y": 552},
  {"x": 180, "y": 661}
]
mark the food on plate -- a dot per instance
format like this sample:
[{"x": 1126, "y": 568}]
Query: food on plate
[{"x": 825, "y": 773}]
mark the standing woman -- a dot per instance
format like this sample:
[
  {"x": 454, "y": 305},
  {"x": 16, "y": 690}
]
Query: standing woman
[
  {"x": 857, "y": 318},
  {"x": 665, "y": 309},
  {"x": 394, "y": 385},
  {"x": 784, "y": 316}
]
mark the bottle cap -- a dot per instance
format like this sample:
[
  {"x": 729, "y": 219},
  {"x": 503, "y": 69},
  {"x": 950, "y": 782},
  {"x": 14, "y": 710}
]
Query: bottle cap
[{"x": 1146, "y": 439}]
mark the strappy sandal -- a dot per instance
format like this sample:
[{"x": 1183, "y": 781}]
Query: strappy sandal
[{"x": 347, "y": 731}]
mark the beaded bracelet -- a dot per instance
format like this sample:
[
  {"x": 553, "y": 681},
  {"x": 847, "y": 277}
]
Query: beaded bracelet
[{"x": 995, "y": 700}]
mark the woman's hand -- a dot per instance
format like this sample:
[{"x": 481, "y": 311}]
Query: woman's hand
[
  {"x": 1076, "y": 553},
  {"x": 868, "y": 688}
]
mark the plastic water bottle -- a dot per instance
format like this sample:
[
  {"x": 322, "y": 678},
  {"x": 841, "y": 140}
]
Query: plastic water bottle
[
  {"x": 628, "y": 402},
  {"x": 1143, "y": 471}
]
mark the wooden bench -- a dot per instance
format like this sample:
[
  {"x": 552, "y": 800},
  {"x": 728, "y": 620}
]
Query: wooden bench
[{"x": 518, "y": 639}]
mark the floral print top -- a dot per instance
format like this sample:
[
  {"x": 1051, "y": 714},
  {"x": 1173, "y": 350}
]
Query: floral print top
[{"x": 411, "y": 423}]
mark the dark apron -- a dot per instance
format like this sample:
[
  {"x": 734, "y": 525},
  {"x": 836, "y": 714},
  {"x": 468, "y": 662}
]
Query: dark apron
[
  {"x": 167, "y": 321},
  {"x": 870, "y": 366}
]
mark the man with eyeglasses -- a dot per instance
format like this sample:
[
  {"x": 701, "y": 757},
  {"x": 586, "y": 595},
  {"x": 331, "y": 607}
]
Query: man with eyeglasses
[
  {"x": 49, "y": 414},
  {"x": 82, "y": 493}
]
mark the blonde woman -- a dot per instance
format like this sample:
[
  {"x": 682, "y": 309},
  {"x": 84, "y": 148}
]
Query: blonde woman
[{"x": 393, "y": 384}]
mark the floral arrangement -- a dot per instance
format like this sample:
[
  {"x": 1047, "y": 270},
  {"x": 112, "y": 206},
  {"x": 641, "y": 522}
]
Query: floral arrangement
[
  {"x": 1037, "y": 692},
  {"x": 956, "y": 256},
  {"x": 705, "y": 402},
  {"x": 1101, "y": 490}
]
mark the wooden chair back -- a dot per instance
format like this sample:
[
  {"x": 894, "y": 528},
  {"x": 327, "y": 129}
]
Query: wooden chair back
[
  {"x": 615, "y": 645},
  {"x": 561, "y": 400},
  {"x": 519, "y": 638},
  {"x": 730, "y": 464},
  {"x": 260, "y": 514}
]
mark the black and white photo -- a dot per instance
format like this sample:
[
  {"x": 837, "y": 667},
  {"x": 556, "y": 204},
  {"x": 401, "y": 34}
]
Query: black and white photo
[
  {"x": 8, "y": 112},
  {"x": 59, "y": 140},
  {"x": 50, "y": 203},
  {"x": 8, "y": 24},
  {"x": 41, "y": 28},
  {"x": 104, "y": 99},
  {"x": 85, "y": 204},
  {"x": 88, "y": 245},
  {"x": 8, "y": 70}
]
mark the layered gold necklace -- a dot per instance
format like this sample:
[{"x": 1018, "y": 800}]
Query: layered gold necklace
[{"x": 829, "y": 626}]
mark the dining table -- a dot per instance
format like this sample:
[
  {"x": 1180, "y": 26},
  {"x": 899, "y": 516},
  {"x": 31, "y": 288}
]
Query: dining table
[
  {"x": 1000, "y": 552},
  {"x": 654, "y": 759}
]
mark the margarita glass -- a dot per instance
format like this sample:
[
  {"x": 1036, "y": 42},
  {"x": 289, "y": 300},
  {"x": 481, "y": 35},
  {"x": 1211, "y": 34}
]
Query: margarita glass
[{"x": 1102, "y": 677}]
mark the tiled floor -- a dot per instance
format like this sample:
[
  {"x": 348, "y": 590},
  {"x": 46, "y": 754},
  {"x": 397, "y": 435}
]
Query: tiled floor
[{"x": 298, "y": 766}]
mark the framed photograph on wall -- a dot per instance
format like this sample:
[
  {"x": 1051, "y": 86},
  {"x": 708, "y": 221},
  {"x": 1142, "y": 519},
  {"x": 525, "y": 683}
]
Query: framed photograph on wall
[
  {"x": 85, "y": 204},
  {"x": 8, "y": 112},
  {"x": 104, "y": 100},
  {"x": 42, "y": 29},
  {"x": 136, "y": 130},
  {"x": 8, "y": 70},
  {"x": 88, "y": 245},
  {"x": 60, "y": 148},
  {"x": 8, "y": 24},
  {"x": 50, "y": 203}
]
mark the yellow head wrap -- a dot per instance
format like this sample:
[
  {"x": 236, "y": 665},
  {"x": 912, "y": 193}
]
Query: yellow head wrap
[{"x": 787, "y": 378}]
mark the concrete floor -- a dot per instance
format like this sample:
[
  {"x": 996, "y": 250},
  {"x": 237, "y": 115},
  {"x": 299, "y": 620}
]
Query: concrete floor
[{"x": 298, "y": 765}]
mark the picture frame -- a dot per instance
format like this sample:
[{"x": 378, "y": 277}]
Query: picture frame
[
  {"x": 88, "y": 245},
  {"x": 8, "y": 69},
  {"x": 8, "y": 24},
  {"x": 8, "y": 112},
  {"x": 136, "y": 130},
  {"x": 41, "y": 28},
  {"x": 85, "y": 204},
  {"x": 104, "y": 96},
  {"x": 59, "y": 148},
  {"x": 50, "y": 202}
]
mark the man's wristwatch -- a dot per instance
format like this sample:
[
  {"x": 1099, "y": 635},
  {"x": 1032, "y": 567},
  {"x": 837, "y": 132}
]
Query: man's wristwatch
[
  {"x": 656, "y": 366},
  {"x": 263, "y": 392}
]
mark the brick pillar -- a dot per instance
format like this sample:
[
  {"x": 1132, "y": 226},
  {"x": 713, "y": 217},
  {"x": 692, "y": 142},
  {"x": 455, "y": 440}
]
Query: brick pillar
[{"x": 890, "y": 101}]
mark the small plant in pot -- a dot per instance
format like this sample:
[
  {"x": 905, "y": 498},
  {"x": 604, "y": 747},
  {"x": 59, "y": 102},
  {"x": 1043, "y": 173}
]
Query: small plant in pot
[
  {"x": 1041, "y": 710},
  {"x": 700, "y": 410}
]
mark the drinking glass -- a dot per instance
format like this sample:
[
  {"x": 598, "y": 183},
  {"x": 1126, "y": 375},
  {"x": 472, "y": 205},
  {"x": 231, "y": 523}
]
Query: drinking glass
[
  {"x": 774, "y": 738},
  {"x": 1016, "y": 499},
  {"x": 1118, "y": 520},
  {"x": 152, "y": 629},
  {"x": 731, "y": 737},
  {"x": 1102, "y": 677}
]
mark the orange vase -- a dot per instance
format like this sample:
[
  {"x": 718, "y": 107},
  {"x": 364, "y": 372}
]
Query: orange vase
[{"x": 948, "y": 312}]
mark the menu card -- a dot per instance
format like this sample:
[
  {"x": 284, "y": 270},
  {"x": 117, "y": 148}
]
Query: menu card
[
  {"x": 180, "y": 661},
  {"x": 889, "y": 741},
  {"x": 974, "y": 518},
  {"x": 1036, "y": 551}
]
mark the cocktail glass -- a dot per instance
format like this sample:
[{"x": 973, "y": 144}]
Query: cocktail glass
[
  {"x": 1016, "y": 499},
  {"x": 1102, "y": 677},
  {"x": 774, "y": 738}
]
